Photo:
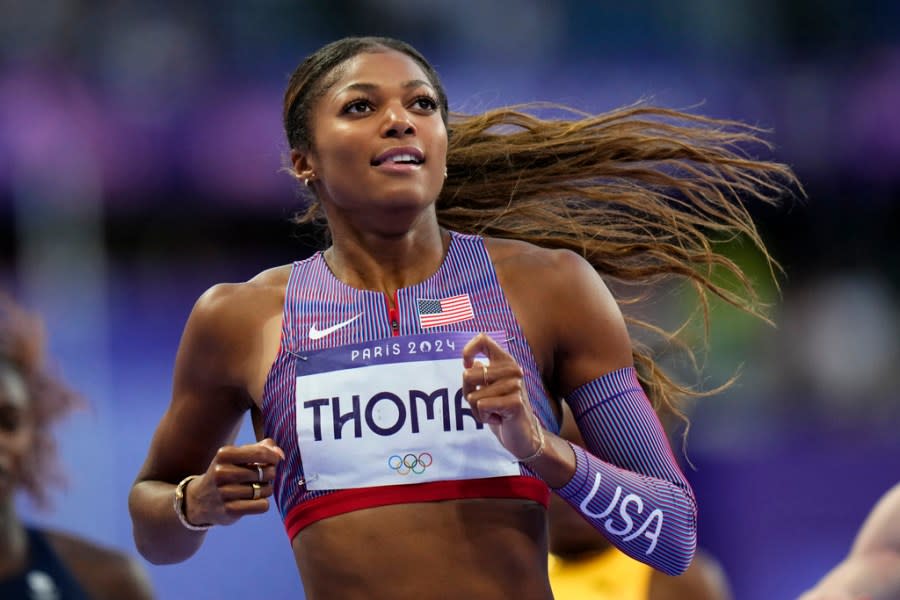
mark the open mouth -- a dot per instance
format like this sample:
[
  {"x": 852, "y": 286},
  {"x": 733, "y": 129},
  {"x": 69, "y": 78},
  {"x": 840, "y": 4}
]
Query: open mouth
[
  {"x": 401, "y": 159},
  {"x": 399, "y": 156}
]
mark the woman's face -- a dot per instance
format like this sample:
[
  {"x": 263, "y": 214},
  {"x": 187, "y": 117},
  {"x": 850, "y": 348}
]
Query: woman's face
[
  {"x": 16, "y": 431},
  {"x": 379, "y": 142}
]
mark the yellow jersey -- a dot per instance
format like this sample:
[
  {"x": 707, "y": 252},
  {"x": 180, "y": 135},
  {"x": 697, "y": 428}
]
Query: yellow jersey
[{"x": 610, "y": 575}]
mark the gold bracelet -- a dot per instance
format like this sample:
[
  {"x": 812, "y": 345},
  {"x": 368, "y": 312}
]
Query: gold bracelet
[
  {"x": 180, "y": 507},
  {"x": 540, "y": 449}
]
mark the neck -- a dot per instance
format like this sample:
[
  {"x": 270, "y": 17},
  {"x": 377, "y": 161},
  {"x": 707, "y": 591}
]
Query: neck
[{"x": 386, "y": 263}]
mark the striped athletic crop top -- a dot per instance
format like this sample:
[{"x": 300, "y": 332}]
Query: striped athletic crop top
[{"x": 321, "y": 313}]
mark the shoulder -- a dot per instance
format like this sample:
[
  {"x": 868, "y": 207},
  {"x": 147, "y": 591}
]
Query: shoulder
[
  {"x": 563, "y": 304},
  {"x": 226, "y": 309},
  {"x": 521, "y": 264},
  {"x": 221, "y": 335},
  {"x": 508, "y": 254},
  {"x": 104, "y": 572},
  {"x": 229, "y": 300},
  {"x": 704, "y": 580}
]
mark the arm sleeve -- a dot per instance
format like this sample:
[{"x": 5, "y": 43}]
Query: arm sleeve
[{"x": 627, "y": 483}]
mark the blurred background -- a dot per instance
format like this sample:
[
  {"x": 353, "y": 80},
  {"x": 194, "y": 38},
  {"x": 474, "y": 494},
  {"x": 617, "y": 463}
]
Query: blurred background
[{"x": 140, "y": 157}]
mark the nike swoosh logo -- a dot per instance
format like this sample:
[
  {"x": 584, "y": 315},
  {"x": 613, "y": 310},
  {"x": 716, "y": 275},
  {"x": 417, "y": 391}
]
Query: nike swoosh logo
[{"x": 317, "y": 334}]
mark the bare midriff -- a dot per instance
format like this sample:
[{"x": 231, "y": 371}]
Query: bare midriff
[{"x": 482, "y": 549}]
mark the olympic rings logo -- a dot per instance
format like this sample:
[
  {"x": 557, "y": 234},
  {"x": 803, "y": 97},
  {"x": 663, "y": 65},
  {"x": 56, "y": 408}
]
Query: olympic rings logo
[{"x": 410, "y": 463}]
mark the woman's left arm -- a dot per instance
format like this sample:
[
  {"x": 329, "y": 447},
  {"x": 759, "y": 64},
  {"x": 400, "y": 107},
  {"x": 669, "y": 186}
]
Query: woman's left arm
[{"x": 626, "y": 481}]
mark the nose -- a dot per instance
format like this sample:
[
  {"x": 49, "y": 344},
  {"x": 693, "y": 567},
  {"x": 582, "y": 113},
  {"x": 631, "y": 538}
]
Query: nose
[{"x": 397, "y": 123}]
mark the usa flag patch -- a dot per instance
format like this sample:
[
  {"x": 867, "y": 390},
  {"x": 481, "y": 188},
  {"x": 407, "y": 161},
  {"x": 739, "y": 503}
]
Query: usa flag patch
[{"x": 433, "y": 313}]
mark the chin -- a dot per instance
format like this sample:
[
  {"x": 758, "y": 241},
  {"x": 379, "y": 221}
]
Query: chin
[{"x": 411, "y": 202}]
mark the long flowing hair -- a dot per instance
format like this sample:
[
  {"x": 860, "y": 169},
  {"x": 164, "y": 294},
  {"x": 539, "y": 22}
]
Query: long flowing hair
[{"x": 645, "y": 194}]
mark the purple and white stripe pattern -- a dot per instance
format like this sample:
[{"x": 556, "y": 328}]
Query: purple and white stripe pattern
[
  {"x": 316, "y": 299},
  {"x": 629, "y": 486}
]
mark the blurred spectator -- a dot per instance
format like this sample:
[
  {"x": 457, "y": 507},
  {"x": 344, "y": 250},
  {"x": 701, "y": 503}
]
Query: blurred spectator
[
  {"x": 36, "y": 563},
  {"x": 872, "y": 569}
]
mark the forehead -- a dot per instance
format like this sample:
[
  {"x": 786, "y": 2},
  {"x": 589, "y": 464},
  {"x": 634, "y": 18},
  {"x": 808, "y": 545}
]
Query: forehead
[
  {"x": 382, "y": 68},
  {"x": 12, "y": 389}
]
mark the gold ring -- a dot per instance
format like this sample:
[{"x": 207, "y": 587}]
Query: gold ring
[
  {"x": 259, "y": 471},
  {"x": 256, "y": 487},
  {"x": 484, "y": 374}
]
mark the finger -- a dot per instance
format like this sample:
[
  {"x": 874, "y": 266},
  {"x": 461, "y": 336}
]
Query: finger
[
  {"x": 250, "y": 453},
  {"x": 503, "y": 370},
  {"x": 489, "y": 414},
  {"x": 474, "y": 377},
  {"x": 510, "y": 388},
  {"x": 272, "y": 453},
  {"x": 269, "y": 442},
  {"x": 226, "y": 473},
  {"x": 259, "y": 472},
  {"x": 244, "y": 491},
  {"x": 481, "y": 375},
  {"x": 240, "y": 508},
  {"x": 483, "y": 414},
  {"x": 496, "y": 409},
  {"x": 481, "y": 344}
]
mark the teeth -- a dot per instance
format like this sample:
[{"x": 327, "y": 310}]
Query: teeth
[{"x": 404, "y": 158}]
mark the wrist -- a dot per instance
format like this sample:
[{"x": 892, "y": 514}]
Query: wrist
[
  {"x": 180, "y": 505},
  {"x": 539, "y": 451},
  {"x": 555, "y": 465}
]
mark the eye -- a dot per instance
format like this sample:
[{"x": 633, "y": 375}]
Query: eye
[
  {"x": 360, "y": 105},
  {"x": 425, "y": 103}
]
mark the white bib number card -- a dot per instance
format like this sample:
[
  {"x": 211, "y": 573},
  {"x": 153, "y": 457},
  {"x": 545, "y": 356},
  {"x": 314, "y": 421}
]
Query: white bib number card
[{"x": 391, "y": 412}]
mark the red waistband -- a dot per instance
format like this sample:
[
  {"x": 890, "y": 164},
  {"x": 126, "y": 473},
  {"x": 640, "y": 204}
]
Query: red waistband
[{"x": 344, "y": 501}]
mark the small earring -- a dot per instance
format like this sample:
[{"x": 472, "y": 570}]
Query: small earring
[
  {"x": 445, "y": 173},
  {"x": 306, "y": 180}
]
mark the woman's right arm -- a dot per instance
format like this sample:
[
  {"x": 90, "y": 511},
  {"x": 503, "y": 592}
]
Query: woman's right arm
[{"x": 209, "y": 399}]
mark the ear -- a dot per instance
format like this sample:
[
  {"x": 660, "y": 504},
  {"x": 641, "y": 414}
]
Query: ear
[{"x": 303, "y": 164}]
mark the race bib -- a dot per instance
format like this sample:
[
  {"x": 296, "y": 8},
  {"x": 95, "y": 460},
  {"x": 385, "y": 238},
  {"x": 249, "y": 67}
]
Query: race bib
[{"x": 392, "y": 412}]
